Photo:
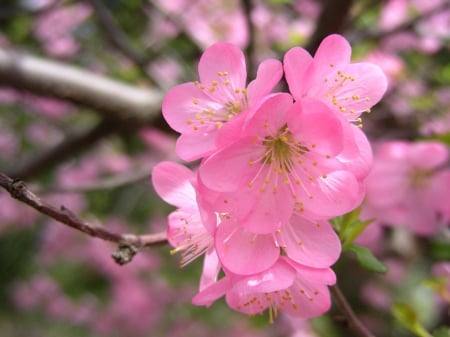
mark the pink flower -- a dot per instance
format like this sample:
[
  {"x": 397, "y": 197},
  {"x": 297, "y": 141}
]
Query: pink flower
[
  {"x": 186, "y": 231},
  {"x": 313, "y": 244},
  {"x": 200, "y": 110},
  {"x": 286, "y": 161},
  {"x": 286, "y": 286},
  {"x": 348, "y": 88},
  {"x": 409, "y": 187}
]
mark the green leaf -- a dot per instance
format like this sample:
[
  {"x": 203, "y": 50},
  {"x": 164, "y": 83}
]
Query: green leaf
[
  {"x": 406, "y": 316},
  {"x": 442, "y": 332},
  {"x": 349, "y": 226},
  {"x": 367, "y": 259}
]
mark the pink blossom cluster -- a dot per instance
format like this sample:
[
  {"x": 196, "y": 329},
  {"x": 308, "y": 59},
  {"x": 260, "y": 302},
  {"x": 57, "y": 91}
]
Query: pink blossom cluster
[
  {"x": 275, "y": 167},
  {"x": 408, "y": 186}
]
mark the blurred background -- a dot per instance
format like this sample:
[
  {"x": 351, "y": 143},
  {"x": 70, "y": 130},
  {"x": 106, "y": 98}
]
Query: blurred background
[{"x": 81, "y": 84}]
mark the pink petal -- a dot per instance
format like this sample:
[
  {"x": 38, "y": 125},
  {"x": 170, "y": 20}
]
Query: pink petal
[
  {"x": 351, "y": 89},
  {"x": 335, "y": 50},
  {"x": 427, "y": 155},
  {"x": 316, "y": 126},
  {"x": 270, "y": 116},
  {"x": 313, "y": 244},
  {"x": 279, "y": 276},
  {"x": 268, "y": 75},
  {"x": 211, "y": 268},
  {"x": 229, "y": 169},
  {"x": 357, "y": 155},
  {"x": 243, "y": 252},
  {"x": 309, "y": 294},
  {"x": 337, "y": 194},
  {"x": 296, "y": 62},
  {"x": 173, "y": 184},
  {"x": 270, "y": 210},
  {"x": 181, "y": 105},
  {"x": 212, "y": 293},
  {"x": 223, "y": 57},
  {"x": 191, "y": 147}
]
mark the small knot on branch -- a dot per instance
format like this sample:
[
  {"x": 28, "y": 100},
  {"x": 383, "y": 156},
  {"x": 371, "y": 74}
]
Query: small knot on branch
[
  {"x": 17, "y": 188},
  {"x": 125, "y": 253}
]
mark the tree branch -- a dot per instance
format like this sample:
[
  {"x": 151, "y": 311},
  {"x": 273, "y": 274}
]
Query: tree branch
[
  {"x": 18, "y": 190},
  {"x": 104, "y": 184},
  {"x": 331, "y": 20},
  {"x": 67, "y": 148},
  {"x": 111, "y": 98},
  {"x": 247, "y": 6},
  {"x": 117, "y": 38},
  {"x": 354, "y": 322}
]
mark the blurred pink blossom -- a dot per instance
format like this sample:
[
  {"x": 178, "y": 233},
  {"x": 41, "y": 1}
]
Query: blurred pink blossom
[
  {"x": 409, "y": 184},
  {"x": 393, "y": 13},
  {"x": 54, "y": 28},
  {"x": 210, "y": 21}
]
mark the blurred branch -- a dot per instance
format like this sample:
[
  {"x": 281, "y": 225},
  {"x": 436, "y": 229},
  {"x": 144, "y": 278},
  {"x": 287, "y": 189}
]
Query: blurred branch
[
  {"x": 110, "y": 98},
  {"x": 360, "y": 36},
  {"x": 250, "y": 50},
  {"x": 18, "y": 190},
  {"x": 68, "y": 148},
  {"x": 354, "y": 323},
  {"x": 105, "y": 184},
  {"x": 331, "y": 20},
  {"x": 117, "y": 38},
  {"x": 9, "y": 12}
]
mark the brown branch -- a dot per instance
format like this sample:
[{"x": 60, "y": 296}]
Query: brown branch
[
  {"x": 108, "y": 97},
  {"x": 247, "y": 6},
  {"x": 117, "y": 38},
  {"x": 331, "y": 20},
  {"x": 104, "y": 184},
  {"x": 67, "y": 148},
  {"x": 18, "y": 190},
  {"x": 354, "y": 323}
]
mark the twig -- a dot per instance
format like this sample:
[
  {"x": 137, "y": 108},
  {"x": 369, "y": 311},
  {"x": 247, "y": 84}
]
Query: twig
[
  {"x": 105, "y": 184},
  {"x": 331, "y": 20},
  {"x": 247, "y": 5},
  {"x": 68, "y": 148},
  {"x": 108, "y": 97},
  {"x": 354, "y": 323},
  {"x": 18, "y": 190},
  {"x": 117, "y": 38}
]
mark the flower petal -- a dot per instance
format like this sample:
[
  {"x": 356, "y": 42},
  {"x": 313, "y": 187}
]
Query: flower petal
[
  {"x": 336, "y": 194},
  {"x": 212, "y": 293},
  {"x": 313, "y": 244},
  {"x": 317, "y": 127},
  {"x": 192, "y": 147},
  {"x": 296, "y": 63},
  {"x": 228, "y": 169},
  {"x": 173, "y": 183},
  {"x": 350, "y": 89},
  {"x": 267, "y": 77},
  {"x": 220, "y": 58},
  {"x": 333, "y": 50},
  {"x": 243, "y": 252}
]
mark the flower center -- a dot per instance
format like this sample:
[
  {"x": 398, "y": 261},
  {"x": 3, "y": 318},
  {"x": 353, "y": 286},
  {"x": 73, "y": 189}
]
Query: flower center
[
  {"x": 281, "y": 150},
  {"x": 225, "y": 101},
  {"x": 419, "y": 178}
]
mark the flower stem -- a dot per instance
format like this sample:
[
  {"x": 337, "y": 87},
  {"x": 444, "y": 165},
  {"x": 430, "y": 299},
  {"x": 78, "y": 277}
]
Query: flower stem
[{"x": 354, "y": 323}]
